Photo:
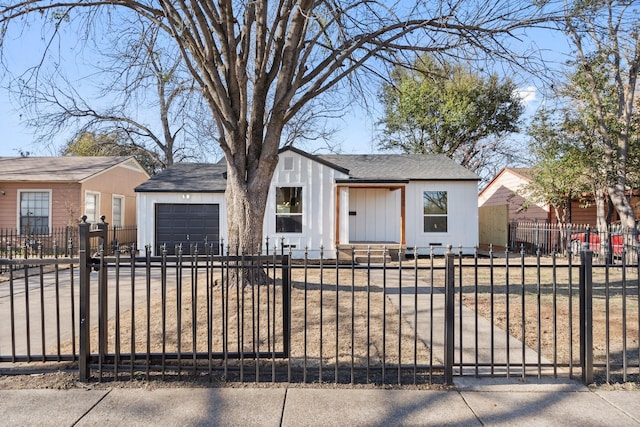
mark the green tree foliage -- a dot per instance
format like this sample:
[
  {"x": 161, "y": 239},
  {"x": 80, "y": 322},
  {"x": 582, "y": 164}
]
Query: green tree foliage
[
  {"x": 109, "y": 144},
  {"x": 573, "y": 160},
  {"x": 566, "y": 168},
  {"x": 564, "y": 164},
  {"x": 446, "y": 108}
]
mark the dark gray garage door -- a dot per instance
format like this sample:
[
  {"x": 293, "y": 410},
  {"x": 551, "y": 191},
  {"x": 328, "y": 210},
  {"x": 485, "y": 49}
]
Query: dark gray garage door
[{"x": 187, "y": 224}]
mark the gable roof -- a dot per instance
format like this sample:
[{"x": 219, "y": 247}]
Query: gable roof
[
  {"x": 401, "y": 167},
  {"x": 211, "y": 177},
  {"x": 58, "y": 169},
  {"x": 191, "y": 177},
  {"x": 522, "y": 173},
  {"x": 392, "y": 167}
]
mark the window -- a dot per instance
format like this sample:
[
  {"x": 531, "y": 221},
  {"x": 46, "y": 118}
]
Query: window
[
  {"x": 35, "y": 208},
  {"x": 435, "y": 211},
  {"x": 117, "y": 211},
  {"x": 91, "y": 206},
  {"x": 289, "y": 209},
  {"x": 288, "y": 163}
]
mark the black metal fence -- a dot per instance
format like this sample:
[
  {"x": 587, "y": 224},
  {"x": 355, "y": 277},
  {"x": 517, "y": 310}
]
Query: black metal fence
[
  {"x": 281, "y": 316},
  {"x": 60, "y": 242}
]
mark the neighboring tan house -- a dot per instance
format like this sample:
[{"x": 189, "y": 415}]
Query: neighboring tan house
[
  {"x": 507, "y": 189},
  {"x": 501, "y": 204},
  {"x": 322, "y": 201},
  {"x": 41, "y": 194}
]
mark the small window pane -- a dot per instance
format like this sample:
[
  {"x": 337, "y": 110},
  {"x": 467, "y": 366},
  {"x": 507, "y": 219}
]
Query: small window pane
[
  {"x": 435, "y": 224},
  {"x": 289, "y": 224},
  {"x": 435, "y": 202},
  {"x": 289, "y": 200},
  {"x": 91, "y": 207},
  {"x": 116, "y": 219}
]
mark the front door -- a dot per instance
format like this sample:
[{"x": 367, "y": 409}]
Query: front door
[{"x": 374, "y": 215}]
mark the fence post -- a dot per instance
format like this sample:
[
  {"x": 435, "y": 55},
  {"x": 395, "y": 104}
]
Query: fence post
[
  {"x": 449, "y": 327},
  {"x": 286, "y": 307},
  {"x": 85, "y": 270},
  {"x": 86, "y": 264},
  {"x": 102, "y": 231},
  {"x": 586, "y": 314}
]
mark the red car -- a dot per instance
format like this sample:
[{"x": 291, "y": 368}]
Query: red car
[{"x": 616, "y": 235}]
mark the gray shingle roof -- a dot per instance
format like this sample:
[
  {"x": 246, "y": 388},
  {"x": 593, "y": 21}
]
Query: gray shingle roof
[
  {"x": 191, "y": 177},
  {"x": 55, "y": 169},
  {"x": 207, "y": 177},
  {"x": 382, "y": 167}
]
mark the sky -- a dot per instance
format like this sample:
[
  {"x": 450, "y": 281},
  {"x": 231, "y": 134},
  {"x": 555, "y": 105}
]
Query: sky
[{"x": 356, "y": 129}]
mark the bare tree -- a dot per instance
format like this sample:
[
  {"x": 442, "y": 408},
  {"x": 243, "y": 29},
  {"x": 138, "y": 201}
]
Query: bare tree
[
  {"x": 259, "y": 63},
  {"x": 606, "y": 37},
  {"x": 153, "y": 101}
]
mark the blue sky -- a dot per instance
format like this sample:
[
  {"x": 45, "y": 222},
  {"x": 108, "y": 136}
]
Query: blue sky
[{"x": 356, "y": 128}]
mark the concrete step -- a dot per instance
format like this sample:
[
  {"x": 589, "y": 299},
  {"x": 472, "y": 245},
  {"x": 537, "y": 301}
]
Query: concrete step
[{"x": 376, "y": 253}]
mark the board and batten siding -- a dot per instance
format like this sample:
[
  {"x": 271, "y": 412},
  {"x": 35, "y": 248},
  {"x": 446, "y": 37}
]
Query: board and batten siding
[
  {"x": 318, "y": 204},
  {"x": 462, "y": 216},
  {"x": 374, "y": 215},
  {"x": 146, "y": 218}
]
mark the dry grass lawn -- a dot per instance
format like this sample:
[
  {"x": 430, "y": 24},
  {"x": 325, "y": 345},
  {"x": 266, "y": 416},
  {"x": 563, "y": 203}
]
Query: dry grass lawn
[
  {"x": 552, "y": 309},
  {"x": 346, "y": 322}
]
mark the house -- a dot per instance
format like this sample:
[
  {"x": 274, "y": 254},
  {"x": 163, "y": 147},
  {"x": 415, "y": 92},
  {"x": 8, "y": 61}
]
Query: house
[
  {"x": 502, "y": 212},
  {"x": 506, "y": 189},
  {"x": 322, "y": 201},
  {"x": 41, "y": 194}
]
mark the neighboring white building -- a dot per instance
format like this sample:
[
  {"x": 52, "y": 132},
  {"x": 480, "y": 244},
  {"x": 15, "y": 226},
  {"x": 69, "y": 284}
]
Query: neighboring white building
[{"x": 323, "y": 201}]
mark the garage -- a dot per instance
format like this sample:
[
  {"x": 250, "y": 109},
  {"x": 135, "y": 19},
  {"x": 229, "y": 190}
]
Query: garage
[{"x": 187, "y": 224}]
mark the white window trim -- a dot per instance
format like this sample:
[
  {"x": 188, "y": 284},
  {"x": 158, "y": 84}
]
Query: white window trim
[
  {"x": 447, "y": 215},
  {"x": 84, "y": 205},
  {"x": 304, "y": 204},
  {"x": 122, "y": 209},
  {"x": 34, "y": 190}
]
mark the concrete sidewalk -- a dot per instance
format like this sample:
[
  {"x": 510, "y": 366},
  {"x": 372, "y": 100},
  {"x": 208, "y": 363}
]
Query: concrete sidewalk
[
  {"x": 472, "y": 402},
  {"x": 493, "y": 345}
]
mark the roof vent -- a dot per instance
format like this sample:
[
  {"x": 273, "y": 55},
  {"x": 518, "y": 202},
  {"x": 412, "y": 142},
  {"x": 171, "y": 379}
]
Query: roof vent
[{"x": 288, "y": 163}]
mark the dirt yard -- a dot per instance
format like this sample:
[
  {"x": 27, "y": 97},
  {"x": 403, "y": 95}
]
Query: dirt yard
[{"x": 553, "y": 327}]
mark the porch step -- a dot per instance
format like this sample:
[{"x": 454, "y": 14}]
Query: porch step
[{"x": 361, "y": 253}]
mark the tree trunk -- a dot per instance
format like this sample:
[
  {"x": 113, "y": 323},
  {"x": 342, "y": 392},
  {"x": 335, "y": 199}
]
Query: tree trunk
[
  {"x": 561, "y": 217},
  {"x": 602, "y": 224},
  {"x": 246, "y": 203},
  {"x": 622, "y": 206},
  {"x": 245, "y": 206},
  {"x": 627, "y": 221}
]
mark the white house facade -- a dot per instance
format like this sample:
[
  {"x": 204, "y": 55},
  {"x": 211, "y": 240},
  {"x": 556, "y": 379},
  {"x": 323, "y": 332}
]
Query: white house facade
[{"x": 323, "y": 202}]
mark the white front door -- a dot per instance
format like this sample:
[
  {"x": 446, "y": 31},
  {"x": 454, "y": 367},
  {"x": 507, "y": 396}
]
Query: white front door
[{"x": 374, "y": 215}]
